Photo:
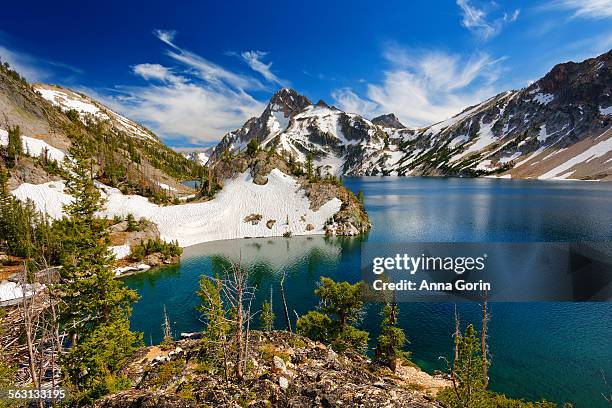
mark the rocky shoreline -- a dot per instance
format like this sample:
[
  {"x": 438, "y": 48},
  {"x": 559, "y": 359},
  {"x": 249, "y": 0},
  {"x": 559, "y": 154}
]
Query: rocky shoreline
[{"x": 285, "y": 370}]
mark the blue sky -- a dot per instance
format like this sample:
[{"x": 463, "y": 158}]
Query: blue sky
[{"x": 192, "y": 71}]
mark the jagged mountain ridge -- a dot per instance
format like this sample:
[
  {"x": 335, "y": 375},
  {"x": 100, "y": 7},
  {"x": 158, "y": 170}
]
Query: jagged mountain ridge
[
  {"x": 557, "y": 127},
  {"x": 200, "y": 156}
]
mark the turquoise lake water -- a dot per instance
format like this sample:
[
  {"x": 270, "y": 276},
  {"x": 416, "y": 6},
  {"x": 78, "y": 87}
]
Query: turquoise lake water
[{"x": 556, "y": 351}]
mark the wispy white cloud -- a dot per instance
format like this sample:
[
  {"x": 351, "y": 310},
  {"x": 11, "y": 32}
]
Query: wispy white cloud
[
  {"x": 158, "y": 72},
  {"x": 425, "y": 87},
  {"x": 477, "y": 20},
  {"x": 197, "y": 112},
  {"x": 349, "y": 101},
  {"x": 254, "y": 60},
  {"x": 591, "y": 9},
  {"x": 166, "y": 36},
  {"x": 195, "y": 98}
]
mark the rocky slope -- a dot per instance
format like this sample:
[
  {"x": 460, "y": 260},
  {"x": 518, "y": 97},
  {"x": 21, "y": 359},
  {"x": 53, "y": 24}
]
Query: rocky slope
[
  {"x": 285, "y": 370},
  {"x": 558, "y": 127},
  {"x": 50, "y": 117}
]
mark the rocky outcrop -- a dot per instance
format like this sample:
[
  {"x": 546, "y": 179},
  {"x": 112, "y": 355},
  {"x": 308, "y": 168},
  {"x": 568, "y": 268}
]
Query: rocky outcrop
[
  {"x": 284, "y": 370},
  {"x": 389, "y": 121}
]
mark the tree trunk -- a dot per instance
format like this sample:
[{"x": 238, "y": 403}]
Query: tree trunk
[
  {"x": 485, "y": 319},
  {"x": 239, "y": 323},
  {"x": 282, "y": 290}
]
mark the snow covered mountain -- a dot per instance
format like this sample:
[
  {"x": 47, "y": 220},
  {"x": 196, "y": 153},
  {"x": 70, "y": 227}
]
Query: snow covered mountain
[
  {"x": 67, "y": 100},
  {"x": 199, "y": 156},
  {"x": 558, "y": 127},
  {"x": 50, "y": 118}
]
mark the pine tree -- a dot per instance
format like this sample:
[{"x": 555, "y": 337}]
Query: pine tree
[
  {"x": 97, "y": 306},
  {"x": 309, "y": 165},
  {"x": 15, "y": 146},
  {"x": 340, "y": 306},
  {"x": 252, "y": 147},
  {"x": 361, "y": 197},
  {"x": 212, "y": 307},
  {"x": 267, "y": 316},
  {"x": 392, "y": 339}
]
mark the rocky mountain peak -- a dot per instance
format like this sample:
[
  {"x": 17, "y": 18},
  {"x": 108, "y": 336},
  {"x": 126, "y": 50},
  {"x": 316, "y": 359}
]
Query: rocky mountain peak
[
  {"x": 322, "y": 104},
  {"x": 389, "y": 120},
  {"x": 288, "y": 101},
  {"x": 588, "y": 77}
]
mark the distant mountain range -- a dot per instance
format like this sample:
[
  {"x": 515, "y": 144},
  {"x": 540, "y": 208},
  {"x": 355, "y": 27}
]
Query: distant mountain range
[{"x": 556, "y": 128}]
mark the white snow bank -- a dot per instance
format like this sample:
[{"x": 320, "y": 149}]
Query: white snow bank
[
  {"x": 120, "y": 251},
  {"x": 48, "y": 197},
  {"x": 605, "y": 111},
  {"x": 507, "y": 159},
  {"x": 281, "y": 199},
  {"x": 34, "y": 147},
  {"x": 544, "y": 99},
  {"x": 592, "y": 152},
  {"x": 166, "y": 187},
  {"x": 14, "y": 291},
  {"x": 68, "y": 101}
]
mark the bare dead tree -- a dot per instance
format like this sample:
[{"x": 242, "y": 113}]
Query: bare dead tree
[
  {"x": 29, "y": 317},
  {"x": 608, "y": 397},
  {"x": 282, "y": 291},
  {"x": 457, "y": 334},
  {"x": 239, "y": 294},
  {"x": 484, "y": 346},
  {"x": 233, "y": 312},
  {"x": 166, "y": 327}
]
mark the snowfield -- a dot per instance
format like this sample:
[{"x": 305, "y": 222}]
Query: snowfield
[
  {"x": 591, "y": 153},
  {"x": 11, "y": 291},
  {"x": 281, "y": 200},
  {"x": 34, "y": 147},
  {"x": 67, "y": 100}
]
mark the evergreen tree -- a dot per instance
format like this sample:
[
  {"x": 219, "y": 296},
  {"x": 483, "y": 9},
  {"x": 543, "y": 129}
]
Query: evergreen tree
[
  {"x": 97, "y": 306},
  {"x": 392, "y": 339},
  {"x": 361, "y": 197},
  {"x": 340, "y": 306},
  {"x": 15, "y": 146},
  {"x": 17, "y": 222},
  {"x": 252, "y": 147},
  {"x": 309, "y": 165},
  {"x": 132, "y": 225},
  {"x": 212, "y": 308},
  {"x": 267, "y": 316}
]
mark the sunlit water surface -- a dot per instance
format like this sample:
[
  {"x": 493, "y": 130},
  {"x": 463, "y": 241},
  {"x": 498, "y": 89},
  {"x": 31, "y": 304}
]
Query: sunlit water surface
[{"x": 556, "y": 351}]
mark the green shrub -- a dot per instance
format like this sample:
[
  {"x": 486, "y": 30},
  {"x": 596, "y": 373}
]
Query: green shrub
[{"x": 168, "y": 250}]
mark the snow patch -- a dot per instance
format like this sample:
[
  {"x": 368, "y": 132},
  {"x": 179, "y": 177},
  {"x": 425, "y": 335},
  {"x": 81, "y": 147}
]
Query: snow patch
[
  {"x": 543, "y": 99},
  {"x": 281, "y": 199},
  {"x": 593, "y": 152},
  {"x": 120, "y": 251},
  {"x": 37, "y": 147},
  {"x": 507, "y": 159},
  {"x": 166, "y": 187}
]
